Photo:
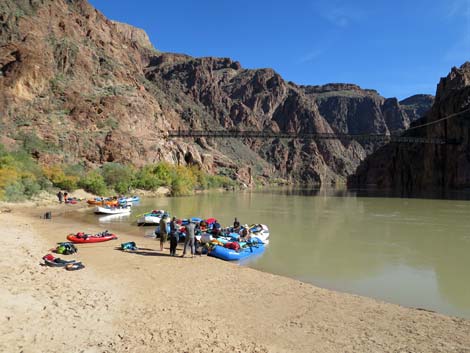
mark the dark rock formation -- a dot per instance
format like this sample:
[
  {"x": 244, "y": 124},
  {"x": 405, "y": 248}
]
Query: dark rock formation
[{"x": 414, "y": 168}]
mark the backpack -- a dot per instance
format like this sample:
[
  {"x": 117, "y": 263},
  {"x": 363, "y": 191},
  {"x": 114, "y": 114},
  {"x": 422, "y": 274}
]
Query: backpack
[
  {"x": 66, "y": 248},
  {"x": 130, "y": 245}
]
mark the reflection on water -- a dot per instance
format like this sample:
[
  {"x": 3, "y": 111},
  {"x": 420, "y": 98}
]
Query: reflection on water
[
  {"x": 408, "y": 251},
  {"x": 112, "y": 218}
]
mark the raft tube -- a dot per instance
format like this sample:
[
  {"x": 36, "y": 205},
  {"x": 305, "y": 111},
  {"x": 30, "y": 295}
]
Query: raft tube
[
  {"x": 232, "y": 255},
  {"x": 90, "y": 239}
]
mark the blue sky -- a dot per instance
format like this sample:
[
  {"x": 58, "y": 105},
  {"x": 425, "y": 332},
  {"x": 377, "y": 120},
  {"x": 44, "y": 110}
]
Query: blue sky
[{"x": 399, "y": 47}]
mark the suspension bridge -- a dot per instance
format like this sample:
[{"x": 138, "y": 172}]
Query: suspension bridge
[
  {"x": 306, "y": 136},
  {"x": 380, "y": 138}
]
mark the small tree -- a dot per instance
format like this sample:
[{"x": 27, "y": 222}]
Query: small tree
[
  {"x": 183, "y": 182},
  {"x": 152, "y": 176},
  {"x": 59, "y": 179},
  {"x": 118, "y": 176},
  {"x": 94, "y": 182}
]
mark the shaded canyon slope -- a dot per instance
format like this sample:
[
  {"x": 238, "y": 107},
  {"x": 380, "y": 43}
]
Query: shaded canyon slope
[
  {"x": 76, "y": 87},
  {"x": 424, "y": 167}
]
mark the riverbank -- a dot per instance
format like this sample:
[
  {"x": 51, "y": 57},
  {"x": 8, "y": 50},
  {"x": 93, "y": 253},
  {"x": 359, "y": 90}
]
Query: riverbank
[{"x": 148, "y": 301}]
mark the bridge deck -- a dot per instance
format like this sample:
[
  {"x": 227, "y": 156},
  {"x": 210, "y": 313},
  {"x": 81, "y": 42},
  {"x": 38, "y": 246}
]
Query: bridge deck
[{"x": 311, "y": 136}]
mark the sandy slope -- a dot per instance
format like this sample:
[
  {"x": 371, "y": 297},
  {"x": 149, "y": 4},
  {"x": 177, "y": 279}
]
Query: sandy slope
[{"x": 150, "y": 302}]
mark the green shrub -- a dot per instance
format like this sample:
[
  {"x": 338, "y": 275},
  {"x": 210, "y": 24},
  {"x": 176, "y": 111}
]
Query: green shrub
[
  {"x": 31, "y": 186},
  {"x": 7, "y": 161},
  {"x": 21, "y": 177},
  {"x": 24, "y": 160},
  {"x": 183, "y": 182},
  {"x": 200, "y": 176},
  {"x": 219, "y": 181},
  {"x": 75, "y": 169},
  {"x": 152, "y": 176},
  {"x": 32, "y": 143},
  {"x": 118, "y": 177},
  {"x": 8, "y": 176},
  {"x": 14, "y": 191},
  {"x": 59, "y": 179},
  {"x": 146, "y": 179},
  {"x": 94, "y": 182}
]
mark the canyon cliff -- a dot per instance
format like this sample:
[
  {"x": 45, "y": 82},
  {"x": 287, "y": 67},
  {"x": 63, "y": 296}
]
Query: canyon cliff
[
  {"x": 412, "y": 168},
  {"x": 76, "y": 87}
]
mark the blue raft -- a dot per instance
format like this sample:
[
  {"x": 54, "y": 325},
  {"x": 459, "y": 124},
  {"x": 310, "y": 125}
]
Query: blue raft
[
  {"x": 133, "y": 199},
  {"x": 233, "y": 255}
]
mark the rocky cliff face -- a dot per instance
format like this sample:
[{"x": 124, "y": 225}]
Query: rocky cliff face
[
  {"x": 416, "y": 106},
  {"x": 77, "y": 87},
  {"x": 414, "y": 168}
]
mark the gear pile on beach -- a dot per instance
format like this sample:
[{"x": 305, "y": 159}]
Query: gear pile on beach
[
  {"x": 200, "y": 237},
  {"x": 206, "y": 236},
  {"x": 68, "y": 248}
]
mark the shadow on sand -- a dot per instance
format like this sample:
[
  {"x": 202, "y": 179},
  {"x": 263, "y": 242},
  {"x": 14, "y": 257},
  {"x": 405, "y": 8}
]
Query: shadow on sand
[{"x": 144, "y": 252}]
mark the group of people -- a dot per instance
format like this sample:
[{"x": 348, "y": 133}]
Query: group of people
[
  {"x": 62, "y": 196},
  {"x": 190, "y": 239}
]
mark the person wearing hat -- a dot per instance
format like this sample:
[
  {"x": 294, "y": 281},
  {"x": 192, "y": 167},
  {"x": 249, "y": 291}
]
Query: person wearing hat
[{"x": 163, "y": 231}]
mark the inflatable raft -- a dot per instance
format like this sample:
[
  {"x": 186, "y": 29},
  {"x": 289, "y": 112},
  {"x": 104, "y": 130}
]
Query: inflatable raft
[
  {"x": 261, "y": 231},
  {"x": 133, "y": 199},
  {"x": 100, "y": 201},
  {"x": 112, "y": 210},
  {"x": 151, "y": 218},
  {"x": 81, "y": 238},
  {"x": 234, "y": 255}
]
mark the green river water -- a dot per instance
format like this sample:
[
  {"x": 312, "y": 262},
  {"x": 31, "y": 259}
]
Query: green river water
[{"x": 413, "y": 252}]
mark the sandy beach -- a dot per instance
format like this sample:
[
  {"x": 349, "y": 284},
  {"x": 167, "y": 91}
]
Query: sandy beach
[{"x": 150, "y": 302}]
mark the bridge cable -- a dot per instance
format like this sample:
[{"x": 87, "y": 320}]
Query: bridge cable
[{"x": 438, "y": 121}]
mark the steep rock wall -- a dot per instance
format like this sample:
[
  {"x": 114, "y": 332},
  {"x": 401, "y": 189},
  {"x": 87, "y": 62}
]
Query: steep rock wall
[{"x": 412, "y": 168}]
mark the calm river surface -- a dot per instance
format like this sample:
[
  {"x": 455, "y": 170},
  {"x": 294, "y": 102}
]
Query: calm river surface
[{"x": 414, "y": 252}]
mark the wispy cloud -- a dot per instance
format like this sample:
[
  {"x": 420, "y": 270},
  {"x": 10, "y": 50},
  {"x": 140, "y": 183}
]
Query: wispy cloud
[
  {"x": 458, "y": 8},
  {"x": 339, "y": 13},
  {"x": 310, "y": 56}
]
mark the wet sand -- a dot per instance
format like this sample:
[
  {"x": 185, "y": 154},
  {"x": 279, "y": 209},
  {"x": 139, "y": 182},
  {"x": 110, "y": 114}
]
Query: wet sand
[{"x": 148, "y": 301}]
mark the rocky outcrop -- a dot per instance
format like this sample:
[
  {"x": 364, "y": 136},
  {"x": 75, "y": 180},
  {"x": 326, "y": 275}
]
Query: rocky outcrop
[
  {"x": 417, "y": 106},
  {"x": 134, "y": 34},
  {"x": 77, "y": 87},
  {"x": 412, "y": 168},
  {"x": 352, "y": 110}
]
